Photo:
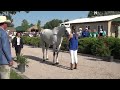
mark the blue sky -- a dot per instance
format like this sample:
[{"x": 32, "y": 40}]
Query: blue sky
[{"x": 45, "y": 16}]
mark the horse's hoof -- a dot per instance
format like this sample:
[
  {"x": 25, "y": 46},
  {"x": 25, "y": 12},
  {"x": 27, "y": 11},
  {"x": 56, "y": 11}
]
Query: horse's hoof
[
  {"x": 47, "y": 59},
  {"x": 43, "y": 60},
  {"x": 53, "y": 64},
  {"x": 57, "y": 63}
]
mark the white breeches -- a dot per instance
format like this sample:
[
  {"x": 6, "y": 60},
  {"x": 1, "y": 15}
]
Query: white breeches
[{"x": 73, "y": 54}]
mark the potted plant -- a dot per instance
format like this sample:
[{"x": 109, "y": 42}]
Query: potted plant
[
  {"x": 22, "y": 62},
  {"x": 105, "y": 52}
]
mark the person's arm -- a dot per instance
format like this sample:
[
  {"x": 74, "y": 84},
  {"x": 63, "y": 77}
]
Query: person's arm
[
  {"x": 21, "y": 42},
  {"x": 70, "y": 36},
  {"x": 6, "y": 48},
  {"x": 13, "y": 42}
]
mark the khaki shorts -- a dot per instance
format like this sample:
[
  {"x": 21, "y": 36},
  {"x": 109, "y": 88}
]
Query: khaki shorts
[{"x": 4, "y": 72}]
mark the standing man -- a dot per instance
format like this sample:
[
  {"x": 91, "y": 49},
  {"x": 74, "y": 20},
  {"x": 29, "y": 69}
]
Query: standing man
[
  {"x": 5, "y": 51},
  {"x": 85, "y": 33},
  {"x": 17, "y": 42}
]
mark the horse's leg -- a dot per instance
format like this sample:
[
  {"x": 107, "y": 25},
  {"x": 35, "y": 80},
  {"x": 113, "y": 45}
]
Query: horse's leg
[
  {"x": 47, "y": 46},
  {"x": 58, "y": 49},
  {"x": 54, "y": 48},
  {"x": 43, "y": 49},
  {"x": 57, "y": 62}
]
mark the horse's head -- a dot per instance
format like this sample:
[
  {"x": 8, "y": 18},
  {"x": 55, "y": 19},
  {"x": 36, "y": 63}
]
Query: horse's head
[
  {"x": 67, "y": 31},
  {"x": 62, "y": 31}
]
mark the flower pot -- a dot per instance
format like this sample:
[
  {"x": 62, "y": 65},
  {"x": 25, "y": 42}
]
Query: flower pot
[
  {"x": 21, "y": 68},
  {"x": 108, "y": 58},
  {"x": 111, "y": 59}
]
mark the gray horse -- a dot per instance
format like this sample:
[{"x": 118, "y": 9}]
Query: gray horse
[{"x": 53, "y": 37}]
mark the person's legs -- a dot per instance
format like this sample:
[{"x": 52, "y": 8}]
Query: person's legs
[
  {"x": 16, "y": 50},
  {"x": 75, "y": 59},
  {"x": 4, "y": 72},
  {"x": 19, "y": 50},
  {"x": 72, "y": 59}
]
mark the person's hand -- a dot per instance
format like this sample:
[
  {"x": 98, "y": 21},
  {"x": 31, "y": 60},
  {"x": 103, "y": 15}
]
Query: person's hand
[
  {"x": 71, "y": 35},
  {"x": 11, "y": 63}
]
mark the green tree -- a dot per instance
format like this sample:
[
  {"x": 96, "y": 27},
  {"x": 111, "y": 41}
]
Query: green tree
[
  {"x": 9, "y": 14},
  {"x": 53, "y": 23},
  {"x": 66, "y": 20},
  {"x": 25, "y": 25},
  {"x": 19, "y": 29},
  {"x": 39, "y": 25},
  {"x": 31, "y": 25}
]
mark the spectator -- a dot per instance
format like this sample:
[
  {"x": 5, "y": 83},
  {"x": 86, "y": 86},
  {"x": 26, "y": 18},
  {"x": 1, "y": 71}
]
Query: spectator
[
  {"x": 94, "y": 33},
  {"x": 17, "y": 43},
  {"x": 85, "y": 33},
  {"x": 5, "y": 51},
  {"x": 101, "y": 33}
]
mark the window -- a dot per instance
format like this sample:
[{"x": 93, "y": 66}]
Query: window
[
  {"x": 88, "y": 27},
  {"x": 100, "y": 27}
]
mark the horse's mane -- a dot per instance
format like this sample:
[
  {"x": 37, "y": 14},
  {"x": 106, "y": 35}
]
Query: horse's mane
[{"x": 59, "y": 28}]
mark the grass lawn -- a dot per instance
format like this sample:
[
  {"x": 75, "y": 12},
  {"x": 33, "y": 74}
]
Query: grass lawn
[{"x": 14, "y": 75}]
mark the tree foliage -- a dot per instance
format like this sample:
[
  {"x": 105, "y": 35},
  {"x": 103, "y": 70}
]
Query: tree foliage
[
  {"x": 25, "y": 25},
  {"x": 9, "y": 14},
  {"x": 31, "y": 25},
  {"x": 39, "y": 25},
  {"x": 66, "y": 20},
  {"x": 53, "y": 23},
  {"x": 19, "y": 29}
]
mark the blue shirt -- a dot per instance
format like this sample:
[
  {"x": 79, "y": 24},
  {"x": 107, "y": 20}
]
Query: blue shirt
[
  {"x": 73, "y": 43},
  {"x": 85, "y": 34},
  {"x": 5, "y": 50}
]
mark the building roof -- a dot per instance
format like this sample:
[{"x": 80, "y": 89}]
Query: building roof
[
  {"x": 11, "y": 29},
  {"x": 33, "y": 27},
  {"x": 94, "y": 19}
]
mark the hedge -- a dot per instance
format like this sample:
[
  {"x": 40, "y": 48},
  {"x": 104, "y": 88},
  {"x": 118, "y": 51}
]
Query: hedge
[
  {"x": 105, "y": 46},
  {"x": 33, "y": 41}
]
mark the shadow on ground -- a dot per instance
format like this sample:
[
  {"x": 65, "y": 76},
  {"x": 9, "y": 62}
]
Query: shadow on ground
[
  {"x": 45, "y": 62},
  {"x": 100, "y": 59}
]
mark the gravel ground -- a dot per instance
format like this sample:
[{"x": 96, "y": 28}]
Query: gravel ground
[{"x": 88, "y": 67}]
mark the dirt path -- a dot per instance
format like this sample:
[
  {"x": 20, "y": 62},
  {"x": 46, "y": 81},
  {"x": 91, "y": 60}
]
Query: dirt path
[{"x": 88, "y": 68}]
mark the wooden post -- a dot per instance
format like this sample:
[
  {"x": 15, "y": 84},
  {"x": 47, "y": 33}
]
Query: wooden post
[{"x": 118, "y": 31}]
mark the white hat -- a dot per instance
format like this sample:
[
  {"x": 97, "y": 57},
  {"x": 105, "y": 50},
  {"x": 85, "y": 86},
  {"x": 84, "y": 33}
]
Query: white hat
[
  {"x": 3, "y": 19},
  {"x": 100, "y": 29},
  {"x": 80, "y": 28}
]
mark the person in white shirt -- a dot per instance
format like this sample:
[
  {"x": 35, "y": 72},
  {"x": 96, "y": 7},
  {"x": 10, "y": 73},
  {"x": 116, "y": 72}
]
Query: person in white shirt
[
  {"x": 101, "y": 32},
  {"x": 17, "y": 43}
]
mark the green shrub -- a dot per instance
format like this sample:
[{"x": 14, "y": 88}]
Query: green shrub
[
  {"x": 96, "y": 46},
  {"x": 116, "y": 51},
  {"x": 100, "y": 48},
  {"x": 34, "y": 41},
  {"x": 64, "y": 45},
  {"x": 14, "y": 75},
  {"x": 85, "y": 44}
]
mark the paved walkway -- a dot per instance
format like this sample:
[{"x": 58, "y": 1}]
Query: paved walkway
[{"x": 88, "y": 67}]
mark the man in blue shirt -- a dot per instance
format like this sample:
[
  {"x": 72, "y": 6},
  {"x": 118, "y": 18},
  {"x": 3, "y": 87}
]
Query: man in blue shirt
[
  {"x": 85, "y": 33},
  {"x": 5, "y": 50}
]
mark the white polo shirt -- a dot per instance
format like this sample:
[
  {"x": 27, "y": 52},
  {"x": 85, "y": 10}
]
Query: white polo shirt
[{"x": 18, "y": 40}]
